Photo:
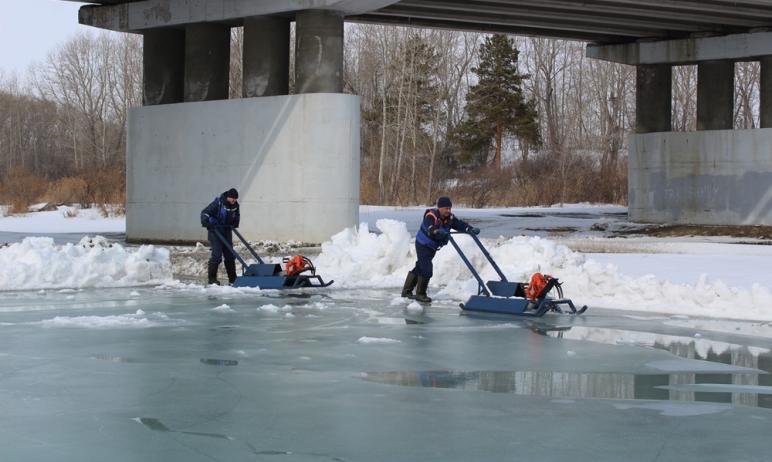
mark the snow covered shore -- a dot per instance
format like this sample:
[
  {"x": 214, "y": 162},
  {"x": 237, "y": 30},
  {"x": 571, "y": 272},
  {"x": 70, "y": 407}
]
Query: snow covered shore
[
  {"x": 720, "y": 280},
  {"x": 62, "y": 220},
  {"x": 361, "y": 258}
]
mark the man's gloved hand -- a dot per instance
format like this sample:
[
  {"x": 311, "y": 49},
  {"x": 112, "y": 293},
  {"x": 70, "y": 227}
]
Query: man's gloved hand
[
  {"x": 473, "y": 230},
  {"x": 209, "y": 223},
  {"x": 441, "y": 233}
]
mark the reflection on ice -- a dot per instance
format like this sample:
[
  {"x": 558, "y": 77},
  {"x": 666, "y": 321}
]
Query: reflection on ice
[
  {"x": 532, "y": 383},
  {"x": 158, "y": 426},
  {"x": 702, "y": 370},
  {"x": 719, "y": 388},
  {"x": 692, "y": 366},
  {"x": 219, "y": 362},
  {"x": 676, "y": 409},
  {"x": 701, "y": 347},
  {"x": 552, "y": 384},
  {"x": 698, "y": 376},
  {"x": 113, "y": 359}
]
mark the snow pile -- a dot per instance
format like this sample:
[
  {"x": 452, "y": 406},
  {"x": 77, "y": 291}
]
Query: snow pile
[
  {"x": 271, "y": 308},
  {"x": 377, "y": 340},
  {"x": 676, "y": 409},
  {"x": 415, "y": 307},
  {"x": 136, "y": 320},
  {"x": 224, "y": 308},
  {"x": 37, "y": 263},
  {"x": 359, "y": 258}
]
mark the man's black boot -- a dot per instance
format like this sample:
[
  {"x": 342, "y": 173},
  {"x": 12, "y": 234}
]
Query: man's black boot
[
  {"x": 420, "y": 295},
  {"x": 212, "y": 274},
  {"x": 230, "y": 268},
  {"x": 410, "y": 282}
]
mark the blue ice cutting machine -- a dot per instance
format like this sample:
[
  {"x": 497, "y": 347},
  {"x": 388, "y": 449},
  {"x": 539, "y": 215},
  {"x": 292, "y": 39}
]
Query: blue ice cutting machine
[
  {"x": 270, "y": 275},
  {"x": 505, "y": 297}
]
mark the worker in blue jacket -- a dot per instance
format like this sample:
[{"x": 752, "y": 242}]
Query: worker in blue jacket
[
  {"x": 431, "y": 236},
  {"x": 223, "y": 215}
]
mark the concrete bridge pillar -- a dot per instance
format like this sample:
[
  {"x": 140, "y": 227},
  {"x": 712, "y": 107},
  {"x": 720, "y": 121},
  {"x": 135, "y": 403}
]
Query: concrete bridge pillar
[
  {"x": 266, "y": 56},
  {"x": 163, "y": 66},
  {"x": 765, "y": 104},
  {"x": 318, "y": 52},
  {"x": 715, "y": 95},
  {"x": 715, "y": 175},
  {"x": 653, "y": 94},
  {"x": 207, "y": 61}
]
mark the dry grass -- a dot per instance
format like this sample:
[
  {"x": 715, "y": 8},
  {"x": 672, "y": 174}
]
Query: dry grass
[
  {"x": 68, "y": 190},
  {"x": 103, "y": 188},
  {"x": 751, "y": 232},
  {"x": 20, "y": 188},
  {"x": 540, "y": 181},
  {"x": 107, "y": 189}
]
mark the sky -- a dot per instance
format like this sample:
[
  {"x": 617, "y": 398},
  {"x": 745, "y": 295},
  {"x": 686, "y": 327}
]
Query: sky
[{"x": 30, "y": 29}]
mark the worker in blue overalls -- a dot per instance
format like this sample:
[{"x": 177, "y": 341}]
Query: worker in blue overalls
[
  {"x": 221, "y": 215},
  {"x": 431, "y": 236}
]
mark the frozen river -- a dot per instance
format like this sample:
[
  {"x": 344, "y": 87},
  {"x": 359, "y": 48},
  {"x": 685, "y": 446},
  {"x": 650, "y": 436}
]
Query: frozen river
[{"x": 187, "y": 374}]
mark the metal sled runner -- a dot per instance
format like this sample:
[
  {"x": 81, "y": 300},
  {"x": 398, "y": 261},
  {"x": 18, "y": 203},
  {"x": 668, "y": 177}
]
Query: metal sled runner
[
  {"x": 270, "y": 275},
  {"x": 505, "y": 297}
]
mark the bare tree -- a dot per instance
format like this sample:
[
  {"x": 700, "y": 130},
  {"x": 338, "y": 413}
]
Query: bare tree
[
  {"x": 746, "y": 97},
  {"x": 684, "y": 103},
  {"x": 236, "y": 63}
]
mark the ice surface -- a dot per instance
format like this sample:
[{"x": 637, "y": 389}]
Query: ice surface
[
  {"x": 160, "y": 376},
  {"x": 505, "y": 221}
]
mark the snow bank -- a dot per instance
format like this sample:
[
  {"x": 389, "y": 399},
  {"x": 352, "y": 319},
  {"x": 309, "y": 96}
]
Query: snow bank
[
  {"x": 358, "y": 258},
  {"x": 63, "y": 220},
  {"x": 37, "y": 263}
]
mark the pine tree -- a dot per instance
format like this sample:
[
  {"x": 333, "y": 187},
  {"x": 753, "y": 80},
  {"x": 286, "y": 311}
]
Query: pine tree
[{"x": 495, "y": 106}]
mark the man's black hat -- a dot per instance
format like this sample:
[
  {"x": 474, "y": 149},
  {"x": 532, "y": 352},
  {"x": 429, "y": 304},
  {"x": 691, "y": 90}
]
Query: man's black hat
[{"x": 444, "y": 202}]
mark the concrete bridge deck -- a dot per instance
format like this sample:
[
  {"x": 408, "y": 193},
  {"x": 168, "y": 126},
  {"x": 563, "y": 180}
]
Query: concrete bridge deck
[{"x": 598, "y": 21}]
